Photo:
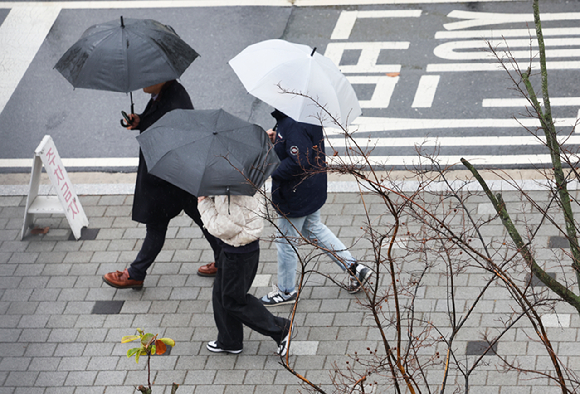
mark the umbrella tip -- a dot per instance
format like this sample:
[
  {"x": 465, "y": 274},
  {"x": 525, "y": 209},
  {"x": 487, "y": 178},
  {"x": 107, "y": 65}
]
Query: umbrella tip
[
  {"x": 314, "y": 50},
  {"x": 122, "y": 24}
]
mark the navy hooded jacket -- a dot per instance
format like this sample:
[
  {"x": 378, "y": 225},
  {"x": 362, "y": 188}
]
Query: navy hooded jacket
[{"x": 299, "y": 182}]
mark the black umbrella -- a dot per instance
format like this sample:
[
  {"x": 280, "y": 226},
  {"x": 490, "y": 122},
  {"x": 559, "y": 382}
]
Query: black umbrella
[
  {"x": 126, "y": 55},
  {"x": 208, "y": 152}
]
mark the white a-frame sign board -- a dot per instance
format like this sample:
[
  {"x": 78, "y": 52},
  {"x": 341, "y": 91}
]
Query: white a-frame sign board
[{"x": 65, "y": 202}]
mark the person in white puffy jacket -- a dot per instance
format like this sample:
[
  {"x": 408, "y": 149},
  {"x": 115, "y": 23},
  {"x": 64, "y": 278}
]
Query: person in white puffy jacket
[{"x": 237, "y": 223}]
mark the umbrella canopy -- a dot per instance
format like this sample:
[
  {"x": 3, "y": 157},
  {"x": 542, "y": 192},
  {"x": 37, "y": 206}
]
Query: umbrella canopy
[
  {"x": 126, "y": 55},
  {"x": 270, "y": 67},
  {"x": 208, "y": 152}
]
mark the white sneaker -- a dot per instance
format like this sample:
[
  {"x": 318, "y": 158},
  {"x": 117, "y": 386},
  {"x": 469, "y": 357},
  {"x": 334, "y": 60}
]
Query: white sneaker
[
  {"x": 213, "y": 347},
  {"x": 277, "y": 297}
]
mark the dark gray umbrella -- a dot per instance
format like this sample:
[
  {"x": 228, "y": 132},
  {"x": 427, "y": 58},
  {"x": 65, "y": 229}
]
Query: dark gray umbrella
[
  {"x": 126, "y": 55},
  {"x": 208, "y": 152}
]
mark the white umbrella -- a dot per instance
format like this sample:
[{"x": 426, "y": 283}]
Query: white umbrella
[{"x": 297, "y": 81}]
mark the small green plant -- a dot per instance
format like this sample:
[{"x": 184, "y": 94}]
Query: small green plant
[{"x": 150, "y": 345}]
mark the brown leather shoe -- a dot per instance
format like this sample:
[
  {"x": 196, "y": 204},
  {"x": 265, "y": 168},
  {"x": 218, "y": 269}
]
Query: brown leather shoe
[
  {"x": 207, "y": 270},
  {"x": 121, "y": 280}
]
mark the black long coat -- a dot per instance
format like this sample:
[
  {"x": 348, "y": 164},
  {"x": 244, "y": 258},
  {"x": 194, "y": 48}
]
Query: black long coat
[{"x": 155, "y": 199}]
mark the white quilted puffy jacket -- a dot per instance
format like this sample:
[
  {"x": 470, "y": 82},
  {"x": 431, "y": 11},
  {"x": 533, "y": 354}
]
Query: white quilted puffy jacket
[{"x": 237, "y": 223}]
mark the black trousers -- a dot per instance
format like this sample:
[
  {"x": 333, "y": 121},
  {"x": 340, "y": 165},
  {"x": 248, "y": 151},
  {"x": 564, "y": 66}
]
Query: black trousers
[
  {"x": 233, "y": 307},
  {"x": 155, "y": 239}
]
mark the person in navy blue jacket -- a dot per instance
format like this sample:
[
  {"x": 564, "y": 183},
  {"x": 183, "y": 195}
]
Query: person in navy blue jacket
[{"x": 299, "y": 190}]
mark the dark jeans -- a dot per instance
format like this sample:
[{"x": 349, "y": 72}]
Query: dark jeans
[
  {"x": 155, "y": 238},
  {"x": 233, "y": 307}
]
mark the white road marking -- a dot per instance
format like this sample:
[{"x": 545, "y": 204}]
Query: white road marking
[
  {"x": 230, "y": 3},
  {"x": 410, "y": 161},
  {"x": 369, "y": 54},
  {"x": 458, "y": 50},
  {"x": 426, "y": 91},
  {"x": 430, "y": 141},
  {"x": 84, "y": 162},
  {"x": 477, "y": 19},
  {"x": 21, "y": 35},
  {"x": 546, "y": 32},
  {"x": 372, "y": 124},
  {"x": 347, "y": 19},
  {"x": 522, "y": 102},
  {"x": 495, "y": 66}
]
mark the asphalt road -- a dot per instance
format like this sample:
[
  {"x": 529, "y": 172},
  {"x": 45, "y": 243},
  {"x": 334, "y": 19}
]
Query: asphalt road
[{"x": 422, "y": 72}]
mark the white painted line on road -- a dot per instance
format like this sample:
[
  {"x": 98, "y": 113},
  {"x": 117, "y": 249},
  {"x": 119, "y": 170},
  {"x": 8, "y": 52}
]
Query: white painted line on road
[
  {"x": 370, "y": 124},
  {"x": 522, "y": 102},
  {"x": 21, "y": 35},
  {"x": 347, "y": 19},
  {"x": 93, "y": 162},
  {"x": 444, "y": 161},
  {"x": 459, "y": 50},
  {"x": 488, "y": 33},
  {"x": 230, "y": 3},
  {"x": 495, "y": 66},
  {"x": 426, "y": 91},
  {"x": 450, "y": 141},
  {"x": 477, "y": 19}
]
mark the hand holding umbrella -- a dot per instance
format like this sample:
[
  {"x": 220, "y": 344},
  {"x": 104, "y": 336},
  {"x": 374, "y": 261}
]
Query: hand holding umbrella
[{"x": 125, "y": 56}]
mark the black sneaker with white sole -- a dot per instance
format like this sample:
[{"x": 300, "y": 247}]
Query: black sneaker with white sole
[
  {"x": 285, "y": 343},
  {"x": 213, "y": 347},
  {"x": 359, "y": 276}
]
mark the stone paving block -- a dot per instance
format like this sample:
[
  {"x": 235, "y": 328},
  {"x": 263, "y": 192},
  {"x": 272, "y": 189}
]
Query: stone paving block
[
  {"x": 62, "y": 390},
  {"x": 63, "y": 335},
  {"x": 51, "y": 378},
  {"x": 16, "y": 295},
  {"x": 44, "y": 246},
  {"x": 33, "y": 335},
  {"x": 112, "y": 200},
  {"x": 155, "y": 293},
  {"x": 28, "y": 390},
  {"x": 92, "y": 334},
  {"x": 32, "y": 321},
  {"x": 211, "y": 389},
  {"x": 51, "y": 257},
  {"x": 13, "y": 247},
  {"x": 21, "y": 378},
  {"x": 11, "y": 282},
  {"x": 107, "y": 378},
  {"x": 23, "y": 258},
  {"x": 80, "y": 378},
  {"x": 40, "y": 350},
  {"x": 44, "y": 364},
  {"x": 56, "y": 321},
  {"x": 68, "y": 294},
  {"x": 54, "y": 270},
  {"x": 13, "y": 350},
  {"x": 49, "y": 305},
  {"x": 14, "y": 363}
]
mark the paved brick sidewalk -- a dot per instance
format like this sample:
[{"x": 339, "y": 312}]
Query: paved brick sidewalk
[{"x": 61, "y": 326}]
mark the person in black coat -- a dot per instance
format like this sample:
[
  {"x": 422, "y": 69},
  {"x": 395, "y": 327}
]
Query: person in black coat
[{"x": 156, "y": 201}]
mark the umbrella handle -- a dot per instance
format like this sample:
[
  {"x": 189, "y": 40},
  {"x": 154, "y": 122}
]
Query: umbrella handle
[{"x": 129, "y": 123}]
